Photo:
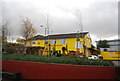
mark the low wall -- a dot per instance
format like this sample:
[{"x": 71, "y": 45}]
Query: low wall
[{"x": 36, "y": 70}]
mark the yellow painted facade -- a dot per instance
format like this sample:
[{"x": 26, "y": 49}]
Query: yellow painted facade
[
  {"x": 110, "y": 55},
  {"x": 69, "y": 45}
]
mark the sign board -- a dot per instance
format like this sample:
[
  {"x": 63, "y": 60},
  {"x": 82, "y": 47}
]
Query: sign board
[{"x": 111, "y": 53}]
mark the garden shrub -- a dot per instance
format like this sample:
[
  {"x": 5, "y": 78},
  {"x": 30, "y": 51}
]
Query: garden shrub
[{"x": 61, "y": 60}]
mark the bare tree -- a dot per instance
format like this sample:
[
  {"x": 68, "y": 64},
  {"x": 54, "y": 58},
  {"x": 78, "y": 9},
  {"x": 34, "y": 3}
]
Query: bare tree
[
  {"x": 28, "y": 30},
  {"x": 5, "y": 32}
]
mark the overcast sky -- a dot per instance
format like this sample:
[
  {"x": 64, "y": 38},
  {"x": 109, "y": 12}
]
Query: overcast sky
[{"x": 99, "y": 17}]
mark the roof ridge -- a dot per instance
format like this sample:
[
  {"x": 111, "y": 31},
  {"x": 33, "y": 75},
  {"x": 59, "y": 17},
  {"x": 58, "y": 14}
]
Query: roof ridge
[
  {"x": 59, "y": 36},
  {"x": 69, "y": 33}
]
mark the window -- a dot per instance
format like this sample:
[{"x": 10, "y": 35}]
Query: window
[
  {"x": 46, "y": 42},
  {"x": 33, "y": 42},
  {"x": 79, "y": 45},
  {"x": 53, "y": 41},
  {"x": 105, "y": 49},
  {"x": 116, "y": 42},
  {"x": 90, "y": 56},
  {"x": 111, "y": 43},
  {"x": 62, "y": 41}
]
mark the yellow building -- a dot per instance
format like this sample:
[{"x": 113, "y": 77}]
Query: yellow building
[
  {"x": 110, "y": 53},
  {"x": 79, "y": 43},
  {"x": 113, "y": 52}
]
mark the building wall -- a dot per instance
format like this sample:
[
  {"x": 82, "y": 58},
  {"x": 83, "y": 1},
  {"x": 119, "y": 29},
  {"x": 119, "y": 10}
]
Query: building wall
[
  {"x": 87, "y": 42},
  {"x": 70, "y": 44},
  {"x": 114, "y": 44}
]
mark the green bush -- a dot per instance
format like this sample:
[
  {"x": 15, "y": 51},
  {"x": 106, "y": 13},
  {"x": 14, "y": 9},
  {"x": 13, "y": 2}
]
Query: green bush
[
  {"x": 59, "y": 54},
  {"x": 61, "y": 60}
]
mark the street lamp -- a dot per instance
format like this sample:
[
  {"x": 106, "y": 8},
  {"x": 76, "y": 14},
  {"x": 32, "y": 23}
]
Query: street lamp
[
  {"x": 45, "y": 35},
  {"x": 46, "y": 38},
  {"x": 45, "y": 30}
]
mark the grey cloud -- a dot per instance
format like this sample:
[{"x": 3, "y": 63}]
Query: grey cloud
[
  {"x": 102, "y": 19},
  {"x": 99, "y": 19}
]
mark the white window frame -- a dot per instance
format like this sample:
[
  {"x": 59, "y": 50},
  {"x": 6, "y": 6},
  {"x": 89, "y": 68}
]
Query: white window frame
[
  {"x": 62, "y": 41},
  {"x": 53, "y": 41},
  {"x": 79, "y": 45},
  {"x": 45, "y": 41}
]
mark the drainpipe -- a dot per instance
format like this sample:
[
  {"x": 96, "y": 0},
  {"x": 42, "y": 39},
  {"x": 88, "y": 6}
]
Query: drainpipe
[
  {"x": 77, "y": 39},
  {"x": 84, "y": 47}
]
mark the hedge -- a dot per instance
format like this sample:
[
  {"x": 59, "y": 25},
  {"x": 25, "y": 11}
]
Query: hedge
[{"x": 76, "y": 60}]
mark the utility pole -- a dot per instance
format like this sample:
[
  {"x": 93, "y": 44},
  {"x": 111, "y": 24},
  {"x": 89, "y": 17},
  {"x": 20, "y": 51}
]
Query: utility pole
[
  {"x": 79, "y": 18},
  {"x": 47, "y": 32},
  {"x": 48, "y": 24},
  {"x": 45, "y": 36}
]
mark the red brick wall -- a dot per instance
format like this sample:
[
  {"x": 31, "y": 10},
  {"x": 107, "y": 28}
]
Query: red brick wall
[{"x": 35, "y": 70}]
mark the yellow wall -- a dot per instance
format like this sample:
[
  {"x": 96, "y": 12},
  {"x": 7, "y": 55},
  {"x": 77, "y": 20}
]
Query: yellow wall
[
  {"x": 37, "y": 41},
  {"x": 110, "y": 55},
  {"x": 87, "y": 42},
  {"x": 70, "y": 43}
]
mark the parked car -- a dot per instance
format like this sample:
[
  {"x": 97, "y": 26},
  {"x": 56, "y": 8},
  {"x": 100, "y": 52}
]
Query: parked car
[{"x": 93, "y": 57}]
